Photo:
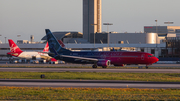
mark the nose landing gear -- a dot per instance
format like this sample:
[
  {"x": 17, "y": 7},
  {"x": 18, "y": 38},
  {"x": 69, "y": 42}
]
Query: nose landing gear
[{"x": 140, "y": 67}]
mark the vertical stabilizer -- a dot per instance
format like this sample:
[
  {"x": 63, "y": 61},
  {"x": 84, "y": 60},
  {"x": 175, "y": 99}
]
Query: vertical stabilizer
[
  {"x": 13, "y": 47},
  {"x": 46, "y": 48},
  {"x": 54, "y": 44}
]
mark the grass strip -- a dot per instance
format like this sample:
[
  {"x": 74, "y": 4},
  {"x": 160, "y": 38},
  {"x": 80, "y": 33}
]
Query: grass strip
[
  {"x": 159, "y": 77},
  {"x": 49, "y": 93}
]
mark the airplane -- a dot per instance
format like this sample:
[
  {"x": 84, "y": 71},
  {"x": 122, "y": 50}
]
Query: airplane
[
  {"x": 104, "y": 59},
  {"x": 17, "y": 52}
]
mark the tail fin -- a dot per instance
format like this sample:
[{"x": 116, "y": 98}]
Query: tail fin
[
  {"x": 54, "y": 44},
  {"x": 13, "y": 46},
  {"x": 46, "y": 48}
]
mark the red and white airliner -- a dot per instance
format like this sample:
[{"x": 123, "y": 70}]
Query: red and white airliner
[{"x": 17, "y": 52}]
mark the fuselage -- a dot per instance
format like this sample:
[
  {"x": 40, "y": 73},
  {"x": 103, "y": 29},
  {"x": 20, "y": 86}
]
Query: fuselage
[
  {"x": 116, "y": 58},
  {"x": 30, "y": 55}
]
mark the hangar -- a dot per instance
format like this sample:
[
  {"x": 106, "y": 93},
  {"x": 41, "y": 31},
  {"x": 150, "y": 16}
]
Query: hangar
[{"x": 68, "y": 37}]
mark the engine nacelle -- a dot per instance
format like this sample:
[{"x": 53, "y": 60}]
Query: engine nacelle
[
  {"x": 37, "y": 57},
  {"x": 103, "y": 62}
]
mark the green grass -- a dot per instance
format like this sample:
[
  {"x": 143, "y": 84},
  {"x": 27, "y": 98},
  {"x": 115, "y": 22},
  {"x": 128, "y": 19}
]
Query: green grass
[
  {"x": 161, "y": 77},
  {"x": 36, "y": 93}
]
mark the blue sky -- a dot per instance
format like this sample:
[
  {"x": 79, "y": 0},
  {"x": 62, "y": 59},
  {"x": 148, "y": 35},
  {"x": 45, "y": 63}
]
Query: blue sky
[{"x": 31, "y": 17}]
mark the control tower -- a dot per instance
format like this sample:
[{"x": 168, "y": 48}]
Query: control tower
[{"x": 91, "y": 17}]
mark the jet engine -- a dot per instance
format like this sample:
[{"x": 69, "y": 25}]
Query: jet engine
[
  {"x": 104, "y": 63},
  {"x": 37, "y": 57}
]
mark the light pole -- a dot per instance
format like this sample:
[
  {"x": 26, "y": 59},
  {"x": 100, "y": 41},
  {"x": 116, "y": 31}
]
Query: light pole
[
  {"x": 18, "y": 35},
  {"x": 18, "y": 38},
  {"x": 0, "y": 41},
  {"x": 94, "y": 34},
  {"x": 156, "y": 32},
  {"x": 168, "y": 23},
  {"x": 5, "y": 39},
  {"x": 107, "y": 24}
]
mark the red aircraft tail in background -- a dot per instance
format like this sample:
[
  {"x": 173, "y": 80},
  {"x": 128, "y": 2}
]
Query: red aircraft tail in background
[
  {"x": 13, "y": 47},
  {"x": 61, "y": 43},
  {"x": 46, "y": 48}
]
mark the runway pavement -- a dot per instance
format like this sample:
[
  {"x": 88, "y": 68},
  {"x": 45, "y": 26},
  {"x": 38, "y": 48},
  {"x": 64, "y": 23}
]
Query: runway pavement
[
  {"x": 89, "y": 70},
  {"x": 87, "y": 83},
  {"x": 4, "y": 63},
  {"x": 59, "y": 68}
]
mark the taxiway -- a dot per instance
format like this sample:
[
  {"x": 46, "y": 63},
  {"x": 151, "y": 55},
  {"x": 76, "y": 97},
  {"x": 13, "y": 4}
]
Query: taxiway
[
  {"x": 87, "y": 83},
  {"x": 89, "y": 70}
]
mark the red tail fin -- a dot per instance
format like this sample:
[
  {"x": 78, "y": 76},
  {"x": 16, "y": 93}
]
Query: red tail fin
[
  {"x": 46, "y": 48},
  {"x": 61, "y": 43},
  {"x": 14, "y": 47}
]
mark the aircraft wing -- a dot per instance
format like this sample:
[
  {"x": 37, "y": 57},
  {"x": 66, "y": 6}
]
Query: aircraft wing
[
  {"x": 43, "y": 52},
  {"x": 45, "y": 57},
  {"x": 77, "y": 58}
]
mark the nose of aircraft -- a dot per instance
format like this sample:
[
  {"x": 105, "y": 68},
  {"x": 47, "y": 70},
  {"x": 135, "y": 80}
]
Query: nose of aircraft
[{"x": 156, "y": 59}]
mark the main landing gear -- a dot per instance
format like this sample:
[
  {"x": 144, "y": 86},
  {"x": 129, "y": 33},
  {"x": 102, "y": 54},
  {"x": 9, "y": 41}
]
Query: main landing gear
[
  {"x": 95, "y": 66},
  {"x": 140, "y": 67},
  {"x": 104, "y": 66}
]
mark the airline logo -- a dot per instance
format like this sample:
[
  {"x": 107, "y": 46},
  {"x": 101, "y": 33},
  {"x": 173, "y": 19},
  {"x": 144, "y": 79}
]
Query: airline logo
[
  {"x": 46, "y": 49},
  {"x": 13, "y": 48},
  {"x": 142, "y": 56}
]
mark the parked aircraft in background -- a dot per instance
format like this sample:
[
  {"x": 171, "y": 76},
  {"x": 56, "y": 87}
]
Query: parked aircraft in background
[
  {"x": 61, "y": 43},
  {"x": 104, "y": 59},
  {"x": 17, "y": 52}
]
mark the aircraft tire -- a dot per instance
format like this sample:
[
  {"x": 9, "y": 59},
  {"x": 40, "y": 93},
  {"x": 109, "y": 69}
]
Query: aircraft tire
[
  {"x": 94, "y": 66},
  {"x": 104, "y": 66}
]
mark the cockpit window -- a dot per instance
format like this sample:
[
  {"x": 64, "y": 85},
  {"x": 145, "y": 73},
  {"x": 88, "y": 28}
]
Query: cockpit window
[{"x": 150, "y": 56}]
